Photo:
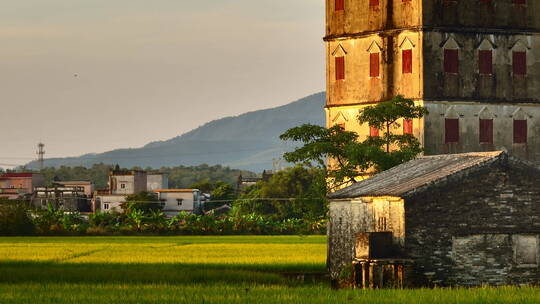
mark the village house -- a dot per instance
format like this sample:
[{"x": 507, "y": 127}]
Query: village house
[
  {"x": 106, "y": 202},
  {"x": 156, "y": 181},
  {"x": 19, "y": 185},
  {"x": 88, "y": 186},
  {"x": 244, "y": 183},
  {"x": 456, "y": 219},
  {"x": 127, "y": 182},
  {"x": 123, "y": 183},
  {"x": 66, "y": 198},
  {"x": 175, "y": 201}
]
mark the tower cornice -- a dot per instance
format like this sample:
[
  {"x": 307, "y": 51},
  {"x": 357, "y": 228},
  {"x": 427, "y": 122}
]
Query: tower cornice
[{"x": 451, "y": 29}]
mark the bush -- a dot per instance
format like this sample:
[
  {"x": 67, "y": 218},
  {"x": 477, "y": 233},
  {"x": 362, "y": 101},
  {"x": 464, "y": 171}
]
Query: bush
[{"x": 15, "y": 219}]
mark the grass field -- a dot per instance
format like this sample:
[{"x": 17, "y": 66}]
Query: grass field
[{"x": 236, "y": 269}]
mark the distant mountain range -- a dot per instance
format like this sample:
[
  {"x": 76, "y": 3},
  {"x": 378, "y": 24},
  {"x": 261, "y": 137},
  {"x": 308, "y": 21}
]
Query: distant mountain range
[{"x": 249, "y": 141}]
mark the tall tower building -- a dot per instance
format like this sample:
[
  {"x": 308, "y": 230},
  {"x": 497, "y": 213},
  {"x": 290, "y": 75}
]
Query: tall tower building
[{"x": 474, "y": 64}]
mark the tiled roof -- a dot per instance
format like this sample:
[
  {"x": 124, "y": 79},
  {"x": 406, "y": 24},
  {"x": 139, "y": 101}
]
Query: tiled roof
[
  {"x": 16, "y": 175},
  {"x": 175, "y": 190},
  {"x": 416, "y": 174}
]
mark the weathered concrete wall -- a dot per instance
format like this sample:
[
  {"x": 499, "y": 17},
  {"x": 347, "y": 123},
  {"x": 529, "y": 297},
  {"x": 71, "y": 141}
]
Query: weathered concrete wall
[
  {"x": 469, "y": 115},
  {"x": 358, "y": 87},
  {"x": 462, "y": 233},
  {"x": 347, "y": 218},
  {"x": 157, "y": 182},
  {"x": 502, "y": 14},
  {"x": 360, "y": 17},
  {"x": 468, "y": 84}
]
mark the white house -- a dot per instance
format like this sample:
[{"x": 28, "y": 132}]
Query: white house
[
  {"x": 175, "y": 201},
  {"x": 109, "y": 202}
]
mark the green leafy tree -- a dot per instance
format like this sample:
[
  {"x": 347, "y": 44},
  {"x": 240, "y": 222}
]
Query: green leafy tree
[
  {"x": 386, "y": 116},
  {"x": 297, "y": 192},
  {"x": 15, "y": 219},
  {"x": 206, "y": 186},
  {"x": 350, "y": 157}
]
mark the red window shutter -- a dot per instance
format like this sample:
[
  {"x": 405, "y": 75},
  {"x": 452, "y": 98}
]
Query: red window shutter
[
  {"x": 519, "y": 63},
  {"x": 486, "y": 131},
  {"x": 408, "y": 126},
  {"x": 520, "y": 131},
  {"x": 485, "y": 62},
  {"x": 373, "y": 132},
  {"x": 374, "y": 64},
  {"x": 373, "y": 2},
  {"x": 519, "y": 1},
  {"x": 406, "y": 58},
  {"x": 451, "y": 61},
  {"x": 340, "y": 68},
  {"x": 339, "y": 5},
  {"x": 451, "y": 130}
]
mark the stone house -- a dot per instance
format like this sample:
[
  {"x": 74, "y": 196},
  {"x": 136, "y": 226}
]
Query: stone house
[{"x": 456, "y": 219}]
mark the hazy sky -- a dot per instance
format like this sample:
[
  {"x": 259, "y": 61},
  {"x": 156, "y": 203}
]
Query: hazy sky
[{"x": 94, "y": 75}]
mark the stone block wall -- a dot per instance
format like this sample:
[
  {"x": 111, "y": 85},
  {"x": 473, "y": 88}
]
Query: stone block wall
[{"x": 483, "y": 229}]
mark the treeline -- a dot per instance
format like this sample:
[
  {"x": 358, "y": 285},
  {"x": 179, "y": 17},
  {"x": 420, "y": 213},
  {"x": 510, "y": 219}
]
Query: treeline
[
  {"x": 292, "y": 201},
  {"x": 179, "y": 177}
]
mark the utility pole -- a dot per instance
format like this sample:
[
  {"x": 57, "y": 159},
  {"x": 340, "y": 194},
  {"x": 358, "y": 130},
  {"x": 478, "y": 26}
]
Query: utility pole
[{"x": 41, "y": 153}]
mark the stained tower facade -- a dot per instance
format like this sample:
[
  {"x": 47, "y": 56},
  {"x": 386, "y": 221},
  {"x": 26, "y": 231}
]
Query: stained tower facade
[{"x": 475, "y": 64}]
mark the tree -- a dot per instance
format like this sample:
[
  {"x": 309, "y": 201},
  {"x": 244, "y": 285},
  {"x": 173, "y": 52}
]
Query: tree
[
  {"x": 297, "y": 192},
  {"x": 386, "y": 116},
  {"x": 15, "y": 218},
  {"x": 351, "y": 157}
]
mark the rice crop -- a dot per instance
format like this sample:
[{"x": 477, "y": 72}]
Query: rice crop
[{"x": 235, "y": 269}]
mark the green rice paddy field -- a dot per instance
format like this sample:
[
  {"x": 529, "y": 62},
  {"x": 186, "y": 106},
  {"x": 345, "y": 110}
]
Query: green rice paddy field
[{"x": 236, "y": 269}]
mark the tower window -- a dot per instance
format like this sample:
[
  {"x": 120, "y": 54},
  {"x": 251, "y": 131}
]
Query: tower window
[
  {"x": 451, "y": 61},
  {"x": 451, "y": 130},
  {"x": 408, "y": 126},
  {"x": 339, "y": 5},
  {"x": 374, "y": 65},
  {"x": 485, "y": 62},
  {"x": 340, "y": 68},
  {"x": 519, "y": 63},
  {"x": 486, "y": 131},
  {"x": 406, "y": 58},
  {"x": 373, "y": 131},
  {"x": 520, "y": 131}
]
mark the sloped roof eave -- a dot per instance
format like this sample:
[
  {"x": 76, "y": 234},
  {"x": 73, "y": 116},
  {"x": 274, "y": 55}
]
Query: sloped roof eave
[{"x": 416, "y": 183}]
